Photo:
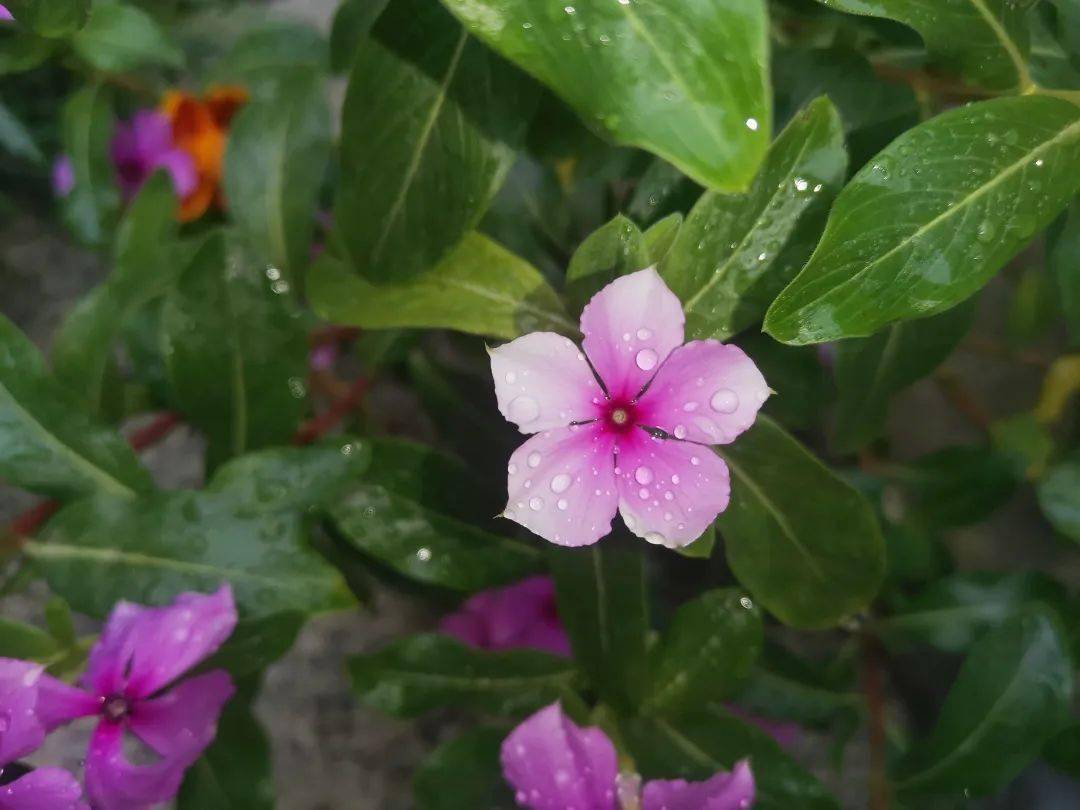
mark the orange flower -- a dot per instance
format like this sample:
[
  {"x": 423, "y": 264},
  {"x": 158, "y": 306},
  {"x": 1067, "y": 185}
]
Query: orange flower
[{"x": 200, "y": 128}]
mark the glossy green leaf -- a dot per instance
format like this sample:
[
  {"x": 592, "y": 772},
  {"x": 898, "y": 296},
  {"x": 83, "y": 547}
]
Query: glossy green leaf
[
  {"x": 18, "y": 640},
  {"x": 804, "y": 542},
  {"x": 416, "y": 674},
  {"x": 16, "y": 139},
  {"x": 870, "y": 372},
  {"x": 986, "y": 41},
  {"x": 269, "y": 55},
  {"x": 796, "y": 374},
  {"x": 47, "y": 442},
  {"x": 145, "y": 266},
  {"x": 464, "y": 772},
  {"x": 86, "y": 132},
  {"x": 661, "y": 191},
  {"x": 603, "y": 604},
  {"x": 953, "y": 612},
  {"x": 705, "y": 654},
  {"x": 959, "y": 485},
  {"x": 235, "y": 772},
  {"x": 236, "y": 353},
  {"x": 686, "y": 81},
  {"x": 1059, "y": 497},
  {"x": 278, "y": 151},
  {"x": 702, "y": 743},
  {"x": 1011, "y": 696},
  {"x": 50, "y": 18},
  {"x": 933, "y": 217},
  {"x": 613, "y": 250},
  {"x": 103, "y": 549},
  {"x": 352, "y": 21},
  {"x": 430, "y": 125},
  {"x": 661, "y": 236},
  {"x": 734, "y": 253},
  {"x": 1064, "y": 260},
  {"x": 480, "y": 288},
  {"x": 120, "y": 37}
]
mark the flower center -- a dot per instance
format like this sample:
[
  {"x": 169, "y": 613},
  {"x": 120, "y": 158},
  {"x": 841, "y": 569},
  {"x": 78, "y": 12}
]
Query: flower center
[
  {"x": 116, "y": 708},
  {"x": 621, "y": 416}
]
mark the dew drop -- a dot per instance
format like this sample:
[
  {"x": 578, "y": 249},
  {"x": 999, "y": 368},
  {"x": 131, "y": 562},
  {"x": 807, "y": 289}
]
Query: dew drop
[
  {"x": 524, "y": 410},
  {"x": 423, "y": 554},
  {"x": 752, "y": 124},
  {"x": 986, "y": 231},
  {"x": 646, "y": 360},
  {"x": 667, "y": 515},
  {"x": 512, "y": 469},
  {"x": 643, "y": 334},
  {"x": 563, "y": 504},
  {"x": 533, "y": 460},
  {"x": 669, "y": 495},
  {"x": 746, "y": 603},
  {"x": 801, "y": 184},
  {"x": 725, "y": 401},
  {"x": 536, "y": 504},
  {"x": 643, "y": 475},
  {"x": 511, "y": 377},
  {"x": 643, "y": 493},
  {"x": 680, "y": 431},
  {"x": 675, "y": 478},
  {"x": 560, "y": 483},
  {"x": 655, "y": 538},
  {"x": 690, "y": 407},
  {"x": 695, "y": 460}
]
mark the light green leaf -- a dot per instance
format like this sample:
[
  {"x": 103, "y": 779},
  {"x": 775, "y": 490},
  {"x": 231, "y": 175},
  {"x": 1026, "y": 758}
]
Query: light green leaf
[
  {"x": 352, "y": 21},
  {"x": 933, "y": 217},
  {"x": 119, "y": 37},
  {"x": 50, "y": 18},
  {"x": 16, "y": 139},
  {"x": 613, "y": 250},
  {"x": 480, "y": 288},
  {"x": 686, "y": 81},
  {"x": 269, "y": 54},
  {"x": 661, "y": 236},
  {"x": 18, "y": 640},
  {"x": 87, "y": 129}
]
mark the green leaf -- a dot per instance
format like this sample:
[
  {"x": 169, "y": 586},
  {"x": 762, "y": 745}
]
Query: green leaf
[
  {"x": 86, "y": 132},
  {"x": 269, "y": 55},
  {"x": 100, "y": 550},
  {"x": 785, "y": 687},
  {"x": 734, "y": 253},
  {"x": 1063, "y": 751},
  {"x": 1011, "y": 696},
  {"x": 16, "y": 139},
  {"x": 810, "y": 561},
  {"x": 50, "y": 18},
  {"x": 277, "y": 155},
  {"x": 615, "y": 249},
  {"x": 661, "y": 191},
  {"x": 21, "y": 50},
  {"x": 1064, "y": 259},
  {"x": 18, "y": 640},
  {"x": 430, "y": 126},
  {"x": 661, "y": 236},
  {"x": 870, "y": 372},
  {"x": 986, "y": 41},
  {"x": 953, "y": 612},
  {"x": 959, "y": 485},
  {"x": 480, "y": 288},
  {"x": 352, "y": 22},
  {"x": 705, "y": 654},
  {"x": 144, "y": 268},
  {"x": 255, "y": 644},
  {"x": 933, "y": 217},
  {"x": 235, "y": 772},
  {"x": 702, "y": 743},
  {"x": 414, "y": 675},
  {"x": 48, "y": 443},
  {"x": 464, "y": 772},
  {"x": 236, "y": 354},
  {"x": 1026, "y": 442},
  {"x": 1059, "y": 497},
  {"x": 603, "y": 604},
  {"x": 60, "y": 622},
  {"x": 796, "y": 374},
  {"x": 686, "y": 81},
  {"x": 119, "y": 37}
]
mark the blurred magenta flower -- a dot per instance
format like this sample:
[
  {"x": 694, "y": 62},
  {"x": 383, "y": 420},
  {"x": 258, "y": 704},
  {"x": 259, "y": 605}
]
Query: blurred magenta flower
[
  {"x": 633, "y": 437},
  {"x": 143, "y": 145},
  {"x": 21, "y": 733},
  {"x": 323, "y": 357},
  {"x": 5, "y": 15},
  {"x": 141, "y": 653},
  {"x": 63, "y": 176},
  {"x": 553, "y": 764},
  {"x": 519, "y": 615}
]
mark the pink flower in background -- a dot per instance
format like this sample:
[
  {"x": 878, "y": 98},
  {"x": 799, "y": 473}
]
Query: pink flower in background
[
  {"x": 634, "y": 441},
  {"x": 63, "y": 176},
  {"x": 21, "y": 733},
  {"x": 5, "y": 15},
  {"x": 553, "y": 764},
  {"x": 519, "y": 615},
  {"x": 129, "y": 685},
  {"x": 145, "y": 144}
]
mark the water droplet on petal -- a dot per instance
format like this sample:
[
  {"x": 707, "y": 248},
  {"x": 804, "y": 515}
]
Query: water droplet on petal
[
  {"x": 533, "y": 460},
  {"x": 512, "y": 469},
  {"x": 644, "y": 334},
  {"x": 690, "y": 407},
  {"x": 680, "y": 431},
  {"x": 643, "y": 475},
  {"x": 725, "y": 401},
  {"x": 524, "y": 410},
  {"x": 675, "y": 480},
  {"x": 643, "y": 493},
  {"x": 695, "y": 460},
  {"x": 511, "y": 377},
  {"x": 669, "y": 495},
  {"x": 563, "y": 504},
  {"x": 536, "y": 504},
  {"x": 646, "y": 360},
  {"x": 560, "y": 483}
]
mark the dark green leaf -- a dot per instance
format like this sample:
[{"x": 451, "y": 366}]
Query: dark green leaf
[
  {"x": 1064, "y": 260},
  {"x": 986, "y": 41},
  {"x": 464, "y": 772},
  {"x": 661, "y": 236},
  {"x": 414, "y": 675},
  {"x": 50, "y": 18},
  {"x": 21, "y": 50},
  {"x": 953, "y": 612},
  {"x": 1063, "y": 751},
  {"x": 686, "y": 81},
  {"x": 1011, "y": 696},
  {"x": 269, "y": 55},
  {"x": 87, "y": 130},
  {"x": 429, "y": 129},
  {"x": 933, "y": 217},
  {"x": 480, "y": 288},
  {"x": 805, "y": 543},
  {"x": 352, "y": 21},
  {"x": 784, "y": 687},
  {"x": 959, "y": 485},
  {"x": 705, "y": 653},
  {"x": 1059, "y": 497},
  {"x": 236, "y": 354},
  {"x": 613, "y": 250},
  {"x": 1026, "y": 442},
  {"x": 16, "y": 139},
  {"x": 60, "y": 622},
  {"x": 277, "y": 155},
  {"x": 702, "y": 743},
  {"x": 256, "y": 643},
  {"x": 796, "y": 374},
  {"x": 870, "y": 372},
  {"x": 119, "y": 37},
  {"x": 661, "y": 191},
  {"x": 603, "y": 604},
  {"x": 734, "y": 253},
  {"x": 18, "y": 640},
  {"x": 47, "y": 443}
]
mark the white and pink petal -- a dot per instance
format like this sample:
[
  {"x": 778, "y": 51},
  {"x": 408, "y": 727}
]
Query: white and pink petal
[{"x": 724, "y": 791}]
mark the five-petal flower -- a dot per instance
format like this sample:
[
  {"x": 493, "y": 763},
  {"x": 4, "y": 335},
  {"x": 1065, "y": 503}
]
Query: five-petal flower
[{"x": 522, "y": 614}]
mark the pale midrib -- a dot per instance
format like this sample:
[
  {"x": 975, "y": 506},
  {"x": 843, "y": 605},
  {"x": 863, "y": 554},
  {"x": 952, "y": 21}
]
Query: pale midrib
[
  {"x": 493, "y": 295},
  {"x": 884, "y": 362},
  {"x": 928, "y": 616},
  {"x": 779, "y": 518},
  {"x": 109, "y": 483},
  {"x": 239, "y": 387},
  {"x": 417, "y": 156},
  {"x": 1022, "y": 74},
  {"x": 275, "y": 200},
  {"x": 486, "y": 684},
  {"x": 688, "y": 746},
  {"x": 962, "y": 205}
]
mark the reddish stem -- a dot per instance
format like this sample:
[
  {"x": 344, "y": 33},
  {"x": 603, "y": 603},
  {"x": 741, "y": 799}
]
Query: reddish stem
[
  {"x": 333, "y": 334},
  {"x": 154, "y": 432},
  {"x": 338, "y": 410},
  {"x": 874, "y": 686}
]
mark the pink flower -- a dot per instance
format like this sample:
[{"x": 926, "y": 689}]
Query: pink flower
[
  {"x": 140, "y": 654},
  {"x": 21, "y": 733},
  {"x": 553, "y": 764},
  {"x": 145, "y": 144},
  {"x": 519, "y": 615},
  {"x": 63, "y": 176},
  {"x": 632, "y": 438}
]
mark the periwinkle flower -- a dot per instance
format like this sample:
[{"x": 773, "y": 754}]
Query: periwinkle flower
[
  {"x": 554, "y": 764},
  {"x": 63, "y": 176},
  {"x": 522, "y": 614},
  {"x": 143, "y": 145},
  {"x": 633, "y": 437},
  {"x": 5, "y": 15}
]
